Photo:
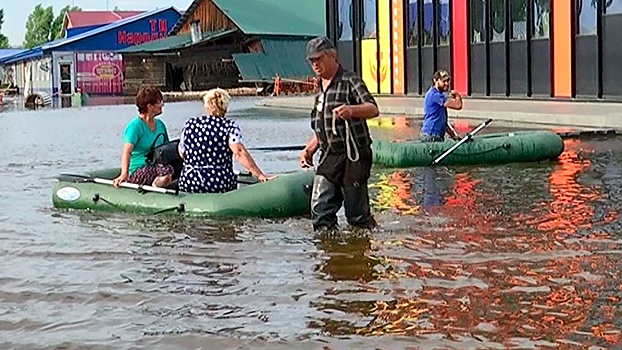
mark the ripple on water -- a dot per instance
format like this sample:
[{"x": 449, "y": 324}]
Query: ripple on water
[{"x": 510, "y": 256}]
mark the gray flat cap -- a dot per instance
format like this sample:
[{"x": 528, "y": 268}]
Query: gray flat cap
[{"x": 316, "y": 46}]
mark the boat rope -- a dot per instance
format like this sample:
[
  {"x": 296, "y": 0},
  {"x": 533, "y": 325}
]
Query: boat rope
[
  {"x": 178, "y": 208},
  {"x": 353, "y": 154},
  {"x": 97, "y": 198}
]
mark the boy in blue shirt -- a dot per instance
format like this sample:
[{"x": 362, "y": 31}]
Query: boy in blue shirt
[{"x": 435, "y": 123}]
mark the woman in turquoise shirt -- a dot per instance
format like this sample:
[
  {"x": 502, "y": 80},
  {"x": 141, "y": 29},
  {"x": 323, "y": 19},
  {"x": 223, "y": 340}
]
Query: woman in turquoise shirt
[{"x": 141, "y": 134}]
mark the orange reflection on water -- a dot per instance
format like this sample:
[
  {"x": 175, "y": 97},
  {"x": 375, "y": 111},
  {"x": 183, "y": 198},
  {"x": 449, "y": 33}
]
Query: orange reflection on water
[
  {"x": 394, "y": 192},
  {"x": 571, "y": 208},
  {"x": 516, "y": 299},
  {"x": 478, "y": 279}
]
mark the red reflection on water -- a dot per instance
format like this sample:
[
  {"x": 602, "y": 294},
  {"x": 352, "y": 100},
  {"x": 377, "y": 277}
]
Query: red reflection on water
[
  {"x": 571, "y": 208},
  {"x": 505, "y": 285}
]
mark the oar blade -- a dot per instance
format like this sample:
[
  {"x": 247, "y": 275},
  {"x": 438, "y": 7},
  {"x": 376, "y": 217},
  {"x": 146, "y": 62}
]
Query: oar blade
[{"x": 74, "y": 178}]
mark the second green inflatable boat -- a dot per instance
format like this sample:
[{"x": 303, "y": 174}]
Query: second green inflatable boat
[{"x": 513, "y": 147}]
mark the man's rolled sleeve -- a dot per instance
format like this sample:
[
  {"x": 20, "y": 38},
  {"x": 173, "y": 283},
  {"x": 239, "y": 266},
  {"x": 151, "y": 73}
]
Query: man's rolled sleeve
[{"x": 360, "y": 92}]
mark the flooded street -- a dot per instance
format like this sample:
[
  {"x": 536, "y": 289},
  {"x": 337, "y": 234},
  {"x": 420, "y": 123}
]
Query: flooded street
[{"x": 520, "y": 256}]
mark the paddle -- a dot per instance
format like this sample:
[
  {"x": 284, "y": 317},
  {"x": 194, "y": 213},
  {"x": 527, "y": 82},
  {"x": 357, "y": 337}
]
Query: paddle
[
  {"x": 466, "y": 138},
  {"x": 86, "y": 179},
  {"x": 243, "y": 178},
  {"x": 279, "y": 148}
]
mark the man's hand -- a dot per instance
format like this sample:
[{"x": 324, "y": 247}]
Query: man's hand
[
  {"x": 343, "y": 112},
  {"x": 306, "y": 159}
]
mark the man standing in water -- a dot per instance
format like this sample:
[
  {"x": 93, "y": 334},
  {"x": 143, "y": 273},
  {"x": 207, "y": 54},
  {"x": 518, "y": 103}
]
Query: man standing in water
[
  {"x": 338, "y": 120},
  {"x": 435, "y": 105}
]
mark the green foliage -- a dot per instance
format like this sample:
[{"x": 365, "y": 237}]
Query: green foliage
[
  {"x": 4, "y": 41},
  {"x": 38, "y": 26},
  {"x": 57, "y": 24},
  {"x": 43, "y": 27}
]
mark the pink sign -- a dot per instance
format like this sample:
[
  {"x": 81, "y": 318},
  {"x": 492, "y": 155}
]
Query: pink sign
[{"x": 99, "y": 73}]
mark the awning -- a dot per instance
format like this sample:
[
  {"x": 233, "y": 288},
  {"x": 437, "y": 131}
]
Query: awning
[
  {"x": 23, "y": 56},
  {"x": 176, "y": 42},
  {"x": 282, "y": 56}
]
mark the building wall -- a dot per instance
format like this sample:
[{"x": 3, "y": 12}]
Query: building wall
[
  {"x": 210, "y": 18},
  {"x": 141, "y": 69},
  {"x": 201, "y": 67},
  {"x": 517, "y": 48},
  {"x": 37, "y": 75}
]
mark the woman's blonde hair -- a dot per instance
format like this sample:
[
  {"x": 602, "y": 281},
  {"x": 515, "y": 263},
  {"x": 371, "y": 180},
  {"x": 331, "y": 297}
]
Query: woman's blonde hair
[{"x": 216, "y": 101}]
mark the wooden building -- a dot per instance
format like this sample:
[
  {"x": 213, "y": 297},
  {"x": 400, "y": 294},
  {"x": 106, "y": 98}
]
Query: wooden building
[
  {"x": 178, "y": 63},
  {"x": 217, "y": 43}
]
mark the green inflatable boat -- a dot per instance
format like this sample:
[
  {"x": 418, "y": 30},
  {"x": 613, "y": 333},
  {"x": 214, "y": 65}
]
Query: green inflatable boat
[
  {"x": 513, "y": 147},
  {"x": 286, "y": 196}
]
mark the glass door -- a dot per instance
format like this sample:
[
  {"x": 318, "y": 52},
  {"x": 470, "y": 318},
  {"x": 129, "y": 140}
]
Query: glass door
[{"x": 66, "y": 83}]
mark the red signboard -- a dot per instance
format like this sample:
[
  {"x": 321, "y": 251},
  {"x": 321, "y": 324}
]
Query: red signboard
[{"x": 99, "y": 73}]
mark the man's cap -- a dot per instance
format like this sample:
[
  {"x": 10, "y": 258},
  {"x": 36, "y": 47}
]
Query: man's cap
[
  {"x": 316, "y": 46},
  {"x": 441, "y": 74}
]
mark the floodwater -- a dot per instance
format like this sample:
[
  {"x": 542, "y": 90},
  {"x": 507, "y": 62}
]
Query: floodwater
[{"x": 521, "y": 256}]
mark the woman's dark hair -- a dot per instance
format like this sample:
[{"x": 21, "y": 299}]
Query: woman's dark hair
[{"x": 147, "y": 96}]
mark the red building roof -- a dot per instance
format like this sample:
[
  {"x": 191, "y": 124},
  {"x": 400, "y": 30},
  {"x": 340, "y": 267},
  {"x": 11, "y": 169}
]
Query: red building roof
[{"x": 76, "y": 19}]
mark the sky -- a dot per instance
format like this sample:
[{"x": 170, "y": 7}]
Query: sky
[{"x": 16, "y": 11}]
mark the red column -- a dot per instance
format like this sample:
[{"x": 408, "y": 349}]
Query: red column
[{"x": 460, "y": 45}]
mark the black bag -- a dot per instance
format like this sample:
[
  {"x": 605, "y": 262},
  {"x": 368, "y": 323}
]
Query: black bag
[{"x": 166, "y": 154}]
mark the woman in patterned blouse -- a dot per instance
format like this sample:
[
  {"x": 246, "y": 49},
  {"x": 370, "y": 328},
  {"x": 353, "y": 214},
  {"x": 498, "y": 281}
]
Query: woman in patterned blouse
[{"x": 208, "y": 145}]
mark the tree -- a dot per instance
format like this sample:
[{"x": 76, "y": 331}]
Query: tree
[
  {"x": 38, "y": 26},
  {"x": 4, "y": 41},
  {"x": 57, "y": 24}
]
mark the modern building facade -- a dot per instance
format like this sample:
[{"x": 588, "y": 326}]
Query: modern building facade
[{"x": 502, "y": 48}]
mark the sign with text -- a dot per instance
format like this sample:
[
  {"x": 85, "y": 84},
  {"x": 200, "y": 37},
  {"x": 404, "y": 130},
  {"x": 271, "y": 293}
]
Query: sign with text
[
  {"x": 99, "y": 73},
  {"x": 158, "y": 29}
]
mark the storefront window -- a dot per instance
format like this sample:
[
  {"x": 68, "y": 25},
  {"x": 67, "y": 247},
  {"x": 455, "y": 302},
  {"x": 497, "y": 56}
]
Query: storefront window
[
  {"x": 345, "y": 20},
  {"x": 444, "y": 23},
  {"x": 413, "y": 27},
  {"x": 443, "y": 20},
  {"x": 541, "y": 18},
  {"x": 518, "y": 9},
  {"x": 478, "y": 21},
  {"x": 497, "y": 14},
  {"x": 428, "y": 23},
  {"x": 370, "y": 19},
  {"x": 612, "y": 6}
]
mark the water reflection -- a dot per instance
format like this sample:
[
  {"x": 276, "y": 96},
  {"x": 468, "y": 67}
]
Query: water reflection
[
  {"x": 511, "y": 256},
  {"x": 505, "y": 278}
]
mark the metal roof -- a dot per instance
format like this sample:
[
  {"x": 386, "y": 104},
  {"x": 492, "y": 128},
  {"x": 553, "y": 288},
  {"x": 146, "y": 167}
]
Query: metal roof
[
  {"x": 269, "y": 17},
  {"x": 89, "y": 18},
  {"x": 176, "y": 42},
  {"x": 283, "y": 56},
  {"x": 277, "y": 17},
  {"x": 22, "y": 56},
  {"x": 9, "y": 52}
]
